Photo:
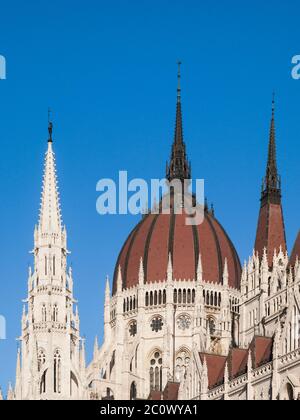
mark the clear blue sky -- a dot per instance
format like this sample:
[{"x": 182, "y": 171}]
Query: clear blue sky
[{"x": 108, "y": 71}]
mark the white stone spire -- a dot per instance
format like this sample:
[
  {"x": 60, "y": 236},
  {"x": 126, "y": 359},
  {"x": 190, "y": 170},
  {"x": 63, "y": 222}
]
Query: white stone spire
[
  {"x": 199, "y": 270},
  {"x": 51, "y": 361},
  {"x": 18, "y": 391},
  {"x": 50, "y": 214},
  {"x": 225, "y": 274}
]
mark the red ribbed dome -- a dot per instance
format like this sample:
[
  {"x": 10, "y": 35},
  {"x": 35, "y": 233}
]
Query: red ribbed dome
[{"x": 157, "y": 235}]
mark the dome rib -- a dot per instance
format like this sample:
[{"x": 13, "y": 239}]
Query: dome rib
[
  {"x": 196, "y": 247},
  {"x": 171, "y": 234},
  {"x": 236, "y": 259},
  {"x": 147, "y": 245},
  {"x": 220, "y": 262},
  {"x": 157, "y": 235}
]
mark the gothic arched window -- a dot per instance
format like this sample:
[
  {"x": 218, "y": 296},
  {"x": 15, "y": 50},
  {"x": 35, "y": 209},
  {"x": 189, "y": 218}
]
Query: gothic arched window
[
  {"x": 156, "y": 372},
  {"x": 179, "y": 296},
  {"x": 269, "y": 286},
  {"x": 55, "y": 313},
  {"x": 211, "y": 326},
  {"x": 57, "y": 372},
  {"x": 290, "y": 392},
  {"x": 43, "y": 383},
  {"x": 182, "y": 361},
  {"x": 175, "y": 296},
  {"x": 133, "y": 329},
  {"x": 44, "y": 313},
  {"x": 41, "y": 359},
  {"x": 189, "y": 296},
  {"x": 136, "y": 356},
  {"x": 133, "y": 391},
  {"x": 159, "y": 297}
]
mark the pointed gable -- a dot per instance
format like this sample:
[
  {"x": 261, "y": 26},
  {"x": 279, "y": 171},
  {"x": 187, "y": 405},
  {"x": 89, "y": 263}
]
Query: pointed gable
[
  {"x": 215, "y": 368},
  {"x": 237, "y": 362},
  {"x": 171, "y": 391},
  {"x": 261, "y": 350}
]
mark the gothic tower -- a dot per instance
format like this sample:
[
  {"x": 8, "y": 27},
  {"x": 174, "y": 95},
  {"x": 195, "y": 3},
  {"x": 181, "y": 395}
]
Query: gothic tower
[{"x": 51, "y": 360}]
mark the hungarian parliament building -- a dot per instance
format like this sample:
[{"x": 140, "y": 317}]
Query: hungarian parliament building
[{"x": 183, "y": 320}]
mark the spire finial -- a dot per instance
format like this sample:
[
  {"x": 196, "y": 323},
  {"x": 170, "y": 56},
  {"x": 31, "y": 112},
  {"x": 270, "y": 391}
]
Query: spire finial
[
  {"x": 271, "y": 186},
  {"x": 273, "y": 103},
  {"x": 179, "y": 166},
  {"x": 179, "y": 80},
  {"x": 50, "y": 126},
  {"x": 50, "y": 215}
]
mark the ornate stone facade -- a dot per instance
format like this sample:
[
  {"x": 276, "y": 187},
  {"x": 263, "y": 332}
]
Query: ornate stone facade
[
  {"x": 234, "y": 336},
  {"x": 183, "y": 320},
  {"x": 51, "y": 359}
]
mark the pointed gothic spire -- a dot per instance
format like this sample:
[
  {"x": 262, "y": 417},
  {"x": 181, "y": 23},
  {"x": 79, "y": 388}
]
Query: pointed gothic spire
[
  {"x": 204, "y": 380},
  {"x": 50, "y": 214},
  {"x": 265, "y": 259},
  {"x": 249, "y": 377},
  {"x": 141, "y": 272},
  {"x": 271, "y": 190},
  {"x": 199, "y": 270},
  {"x": 270, "y": 229},
  {"x": 107, "y": 289},
  {"x": 18, "y": 375},
  {"x": 178, "y": 125},
  {"x": 225, "y": 274},
  {"x": 119, "y": 280},
  {"x": 226, "y": 381},
  {"x": 10, "y": 393},
  {"x": 82, "y": 355},
  {"x": 249, "y": 362},
  {"x": 179, "y": 167},
  {"x": 170, "y": 269},
  {"x": 96, "y": 348}
]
